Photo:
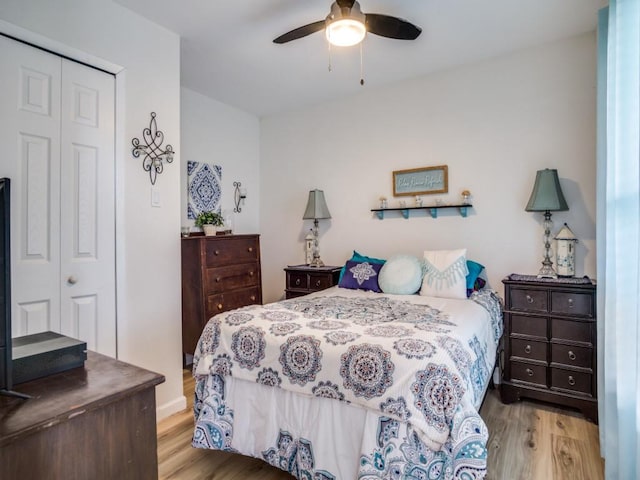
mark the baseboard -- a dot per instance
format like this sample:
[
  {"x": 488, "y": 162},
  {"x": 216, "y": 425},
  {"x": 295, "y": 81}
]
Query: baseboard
[{"x": 169, "y": 408}]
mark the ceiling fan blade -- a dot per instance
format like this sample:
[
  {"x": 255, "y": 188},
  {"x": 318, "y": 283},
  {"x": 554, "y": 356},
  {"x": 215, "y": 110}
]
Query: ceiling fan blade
[
  {"x": 301, "y": 32},
  {"x": 391, "y": 27}
]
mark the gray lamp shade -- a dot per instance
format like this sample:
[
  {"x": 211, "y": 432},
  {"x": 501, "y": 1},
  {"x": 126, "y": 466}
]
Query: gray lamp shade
[
  {"x": 547, "y": 194},
  {"x": 316, "y": 206}
]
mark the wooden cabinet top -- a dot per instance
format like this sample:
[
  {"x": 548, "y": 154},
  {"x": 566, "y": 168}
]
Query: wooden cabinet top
[
  {"x": 195, "y": 237},
  {"x": 63, "y": 396},
  {"x": 308, "y": 268},
  {"x": 531, "y": 280}
]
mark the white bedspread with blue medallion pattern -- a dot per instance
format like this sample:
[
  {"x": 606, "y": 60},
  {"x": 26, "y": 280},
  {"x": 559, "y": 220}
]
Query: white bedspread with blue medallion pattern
[{"x": 421, "y": 364}]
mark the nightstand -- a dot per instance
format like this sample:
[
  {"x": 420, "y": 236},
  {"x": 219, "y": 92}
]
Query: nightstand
[
  {"x": 550, "y": 342},
  {"x": 303, "y": 279}
]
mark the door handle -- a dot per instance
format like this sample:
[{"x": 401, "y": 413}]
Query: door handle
[{"x": 72, "y": 280}]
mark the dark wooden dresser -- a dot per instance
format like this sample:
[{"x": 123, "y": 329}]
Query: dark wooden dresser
[
  {"x": 303, "y": 279},
  {"x": 550, "y": 342},
  {"x": 96, "y": 421},
  {"x": 219, "y": 273}
]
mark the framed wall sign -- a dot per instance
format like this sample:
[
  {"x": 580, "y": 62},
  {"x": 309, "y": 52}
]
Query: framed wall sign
[{"x": 421, "y": 181}]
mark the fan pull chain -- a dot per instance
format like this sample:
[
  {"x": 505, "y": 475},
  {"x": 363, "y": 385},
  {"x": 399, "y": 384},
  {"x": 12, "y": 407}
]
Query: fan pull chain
[
  {"x": 361, "y": 66},
  {"x": 329, "y": 49}
]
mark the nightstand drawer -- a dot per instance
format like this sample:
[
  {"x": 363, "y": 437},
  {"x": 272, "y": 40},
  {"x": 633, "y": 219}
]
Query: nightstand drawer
[
  {"x": 572, "y": 355},
  {"x": 569, "y": 303},
  {"x": 231, "y": 277},
  {"x": 528, "y": 325},
  {"x": 528, "y": 350},
  {"x": 570, "y": 380},
  {"x": 571, "y": 330},
  {"x": 527, "y": 372},
  {"x": 529, "y": 300},
  {"x": 320, "y": 281},
  {"x": 298, "y": 280}
]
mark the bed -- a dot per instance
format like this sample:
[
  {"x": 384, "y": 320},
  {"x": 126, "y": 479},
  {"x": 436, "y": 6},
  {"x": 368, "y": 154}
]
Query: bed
[{"x": 351, "y": 384}]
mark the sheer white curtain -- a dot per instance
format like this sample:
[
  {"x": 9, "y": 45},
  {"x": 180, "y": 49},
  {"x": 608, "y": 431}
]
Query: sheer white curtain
[{"x": 618, "y": 238}]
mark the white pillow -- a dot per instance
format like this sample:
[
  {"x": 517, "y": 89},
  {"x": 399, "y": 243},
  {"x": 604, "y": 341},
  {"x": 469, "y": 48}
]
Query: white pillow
[
  {"x": 445, "y": 273},
  {"x": 401, "y": 275}
]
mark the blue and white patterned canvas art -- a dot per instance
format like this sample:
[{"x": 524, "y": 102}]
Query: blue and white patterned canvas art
[{"x": 204, "y": 185}]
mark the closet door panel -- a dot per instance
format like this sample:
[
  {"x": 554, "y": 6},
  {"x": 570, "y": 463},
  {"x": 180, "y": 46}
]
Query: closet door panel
[
  {"x": 30, "y": 133},
  {"x": 88, "y": 207}
]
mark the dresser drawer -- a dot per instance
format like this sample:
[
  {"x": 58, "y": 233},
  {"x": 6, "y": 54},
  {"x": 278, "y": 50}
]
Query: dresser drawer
[
  {"x": 571, "y": 303},
  {"x": 231, "y": 300},
  {"x": 569, "y": 380},
  {"x": 572, "y": 355},
  {"x": 528, "y": 350},
  {"x": 228, "y": 251},
  {"x": 527, "y": 372},
  {"x": 528, "y": 325},
  {"x": 529, "y": 300},
  {"x": 569, "y": 330},
  {"x": 231, "y": 277}
]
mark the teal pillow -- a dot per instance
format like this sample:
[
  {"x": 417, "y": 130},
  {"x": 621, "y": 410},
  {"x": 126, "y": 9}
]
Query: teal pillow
[
  {"x": 401, "y": 275},
  {"x": 357, "y": 257},
  {"x": 474, "y": 271}
]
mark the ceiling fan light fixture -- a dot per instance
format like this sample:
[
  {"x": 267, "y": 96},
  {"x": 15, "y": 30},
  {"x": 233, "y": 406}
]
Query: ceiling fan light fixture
[{"x": 345, "y": 32}]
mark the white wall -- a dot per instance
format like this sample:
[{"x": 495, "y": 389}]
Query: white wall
[
  {"x": 214, "y": 132},
  {"x": 148, "y": 240},
  {"x": 494, "y": 124}
]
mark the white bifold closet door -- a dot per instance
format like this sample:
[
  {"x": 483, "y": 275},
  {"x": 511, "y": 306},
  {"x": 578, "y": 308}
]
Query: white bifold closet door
[{"x": 57, "y": 137}]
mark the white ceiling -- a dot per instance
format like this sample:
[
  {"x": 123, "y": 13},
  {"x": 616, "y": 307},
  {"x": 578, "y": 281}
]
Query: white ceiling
[{"x": 228, "y": 53}]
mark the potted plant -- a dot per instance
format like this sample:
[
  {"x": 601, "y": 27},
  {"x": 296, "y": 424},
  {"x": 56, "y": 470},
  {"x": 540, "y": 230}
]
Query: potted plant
[{"x": 209, "y": 221}]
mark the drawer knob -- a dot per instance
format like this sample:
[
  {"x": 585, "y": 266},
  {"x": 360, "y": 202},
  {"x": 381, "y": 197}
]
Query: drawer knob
[
  {"x": 318, "y": 282},
  {"x": 527, "y": 349},
  {"x": 217, "y": 252},
  {"x": 529, "y": 372},
  {"x": 572, "y": 356},
  {"x": 253, "y": 298},
  {"x": 571, "y": 381},
  {"x": 529, "y": 299},
  {"x": 251, "y": 274},
  {"x": 219, "y": 306},
  {"x": 250, "y": 249},
  {"x": 218, "y": 279},
  {"x": 570, "y": 303},
  {"x": 297, "y": 281}
]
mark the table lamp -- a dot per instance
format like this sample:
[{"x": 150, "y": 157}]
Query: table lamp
[
  {"x": 547, "y": 197},
  {"x": 316, "y": 209}
]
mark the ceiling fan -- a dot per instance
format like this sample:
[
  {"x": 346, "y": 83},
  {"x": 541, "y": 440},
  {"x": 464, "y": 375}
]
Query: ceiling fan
[{"x": 346, "y": 25}]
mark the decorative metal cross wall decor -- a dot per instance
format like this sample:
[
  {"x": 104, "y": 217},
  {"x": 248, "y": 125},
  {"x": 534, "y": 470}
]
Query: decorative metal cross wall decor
[{"x": 152, "y": 151}]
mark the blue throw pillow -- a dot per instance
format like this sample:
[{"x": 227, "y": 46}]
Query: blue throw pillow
[
  {"x": 401, "y": 275},
  {"x": 474, "y": 270},
  {"x": 357, "y": 257},
  {"x": 361, "y": 276}
]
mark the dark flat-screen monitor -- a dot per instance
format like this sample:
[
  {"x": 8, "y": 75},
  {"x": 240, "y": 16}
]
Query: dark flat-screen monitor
[{"x": 5, "y": 290}]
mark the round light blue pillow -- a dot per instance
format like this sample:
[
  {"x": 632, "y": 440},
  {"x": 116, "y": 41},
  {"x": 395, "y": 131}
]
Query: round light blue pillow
[{"x": 401, "y": 275}]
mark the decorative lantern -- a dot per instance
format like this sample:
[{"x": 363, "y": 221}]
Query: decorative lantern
[
  {"x": 308, "y": 248},
  {"x": 566, "y": 252}
]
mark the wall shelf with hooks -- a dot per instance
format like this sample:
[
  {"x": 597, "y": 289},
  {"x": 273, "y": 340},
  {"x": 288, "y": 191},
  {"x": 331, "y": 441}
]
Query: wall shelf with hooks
[{"x": 433, "y": 210}]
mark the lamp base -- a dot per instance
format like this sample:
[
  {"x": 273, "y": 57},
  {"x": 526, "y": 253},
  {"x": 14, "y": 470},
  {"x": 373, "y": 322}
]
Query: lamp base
[
  {"x": 547, "y": 271},
  {"x": 316, "y": 262}
]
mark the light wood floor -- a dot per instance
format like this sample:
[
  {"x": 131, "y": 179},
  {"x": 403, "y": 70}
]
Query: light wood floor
[{"x": 528, "y": 441}]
